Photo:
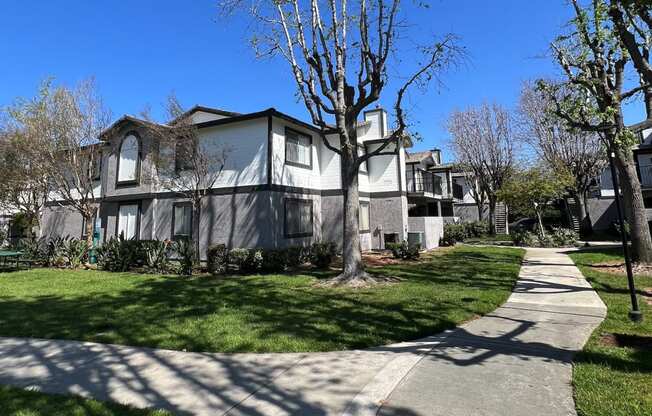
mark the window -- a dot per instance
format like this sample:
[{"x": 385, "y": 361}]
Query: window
[
  {"x": 363, "y": 221},
  {"x": 298, "y": 217},
  {"x": 298, "y": 149},
  {"x": 364, "y": 168},
  {"x": 184, "y": 154},
  {"x": 128, "y": 217},
  {"x": 96, "y": 170},
  {"x": 128, "y": 161},
  {"x": 182, "y": 221}
]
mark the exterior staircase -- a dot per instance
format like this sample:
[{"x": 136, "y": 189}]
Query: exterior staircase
[
  {"x": 572, "y": 214},
  {"x": 500, "y": 219}
]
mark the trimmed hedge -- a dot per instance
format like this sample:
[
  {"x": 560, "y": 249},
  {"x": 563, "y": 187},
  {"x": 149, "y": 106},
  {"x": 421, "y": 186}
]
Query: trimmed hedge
[
  {"x": 257, "y": 260},
  {"x": 404, "y": 251},
  {"x": 457, "y": 233}
]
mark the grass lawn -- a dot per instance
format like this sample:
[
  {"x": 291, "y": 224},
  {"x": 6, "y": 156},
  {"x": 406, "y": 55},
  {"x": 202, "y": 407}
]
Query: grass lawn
[
  {"x": 610, "y": 380},
  {"x": 19, "y": 402},
  {"x": 262, "y": 313}
]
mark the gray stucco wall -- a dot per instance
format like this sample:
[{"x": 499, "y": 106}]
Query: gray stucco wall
[
  {"x": 602, "y": 212},
  {"x": 469, "y": 212},
  {"x": 387, "y": 216},
  {"x": 61, "y": 221},
  {"x": 431, "y": 227}
]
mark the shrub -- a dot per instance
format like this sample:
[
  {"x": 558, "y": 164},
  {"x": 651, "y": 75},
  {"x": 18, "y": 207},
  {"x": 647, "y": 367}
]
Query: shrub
[
  {"x": 217, "y": 257},
  {"x": 564, "y": 237},
  {"x": 322, "y": 254},
  {"x": 526, "y": 239},
  {"x": 55, "y": 252},
  {"x": 155, "y": 255},
  {"x": 3, "y": 238},
  {"x": 296, "y": 255},
  {"x": 476, "y": 229},
  {"x": 404, "y": 250},
  {"x": 76, "y": 252},
  {"x": 33, "y": 248},
  {"x": 238, "y": 256},
  {"x": 274, "y": 261},
  {"x": 115, "y": 255},
  {"x": 186, "y": 251},
  {"x": 453, "y": 233},
  {"x": 558, "y": 237},
  {"x": 253, "y": 263}
]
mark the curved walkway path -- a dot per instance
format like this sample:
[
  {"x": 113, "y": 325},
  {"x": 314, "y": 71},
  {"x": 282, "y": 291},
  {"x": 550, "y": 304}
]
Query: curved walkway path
[{"x": 515, "y": 361}]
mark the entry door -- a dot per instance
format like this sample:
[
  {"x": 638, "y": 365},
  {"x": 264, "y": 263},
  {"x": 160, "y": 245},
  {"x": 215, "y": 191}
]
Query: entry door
[{"x": 128, "y": 221}]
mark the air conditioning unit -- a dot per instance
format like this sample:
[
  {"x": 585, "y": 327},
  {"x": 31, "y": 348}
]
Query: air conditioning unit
[{"x": 416, "y": 238}]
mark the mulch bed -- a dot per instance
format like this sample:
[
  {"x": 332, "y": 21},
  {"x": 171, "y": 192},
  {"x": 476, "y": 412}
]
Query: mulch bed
[
  {"x": 637, "y": 342},
  {"x": 618, "y": 267}
]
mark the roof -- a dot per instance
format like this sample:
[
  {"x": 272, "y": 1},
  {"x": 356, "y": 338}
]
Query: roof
[
  {"x": 638, "y": 127},
  {"x": 231, "y": 119},
  {"x": 415, "y": 157},
  {"x": 128, "y": 119},
  {"x": 204, "y": 109}
]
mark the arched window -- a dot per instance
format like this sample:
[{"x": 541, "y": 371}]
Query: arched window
[{"x": 128, "y": 160}]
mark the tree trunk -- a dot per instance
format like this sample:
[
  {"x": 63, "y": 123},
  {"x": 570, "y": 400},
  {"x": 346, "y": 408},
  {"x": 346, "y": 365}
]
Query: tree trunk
[
  {"x": 542, "y": 232},
  {"x": 90, "y": 227},
  {"x": 492, "y": 215},
  {"x": 353, "y": 272},
  {"x": 480, "y": 205},
  {"x": 89, "y": 218},
  {"x": 351, "y": 251},
  {"x": 196, "y": 212},
  {"x": 585, "y": 222},
  {"x": 633, "y": 196}
]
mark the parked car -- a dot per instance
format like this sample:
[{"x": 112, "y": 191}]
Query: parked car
[{"x": 523, "y": 224}]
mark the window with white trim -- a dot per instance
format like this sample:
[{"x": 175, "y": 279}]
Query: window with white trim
[
  {"x": 128, "y": 221},
  {"x": 298, "y": 217},
  {"x": 128, "y": 159},
  {"x": 182, "y": 221},
  {"x": 298, "y": 149},
  {"x": 363, "y": 221}
]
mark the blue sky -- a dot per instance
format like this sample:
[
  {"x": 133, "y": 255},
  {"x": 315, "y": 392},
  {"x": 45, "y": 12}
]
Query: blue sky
[{"x": 140, "y": 51}]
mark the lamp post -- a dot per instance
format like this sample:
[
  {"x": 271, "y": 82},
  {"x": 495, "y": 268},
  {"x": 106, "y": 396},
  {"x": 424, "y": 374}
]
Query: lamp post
[{"x": 635, "y": 314}]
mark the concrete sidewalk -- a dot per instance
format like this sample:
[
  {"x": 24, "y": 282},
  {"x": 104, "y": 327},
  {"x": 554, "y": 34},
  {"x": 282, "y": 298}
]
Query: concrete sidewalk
[{"x": 514, "y": 361}]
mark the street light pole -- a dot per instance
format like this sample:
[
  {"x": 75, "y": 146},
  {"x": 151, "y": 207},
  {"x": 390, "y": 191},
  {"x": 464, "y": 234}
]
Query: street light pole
[{"x": 635, "y": 314}]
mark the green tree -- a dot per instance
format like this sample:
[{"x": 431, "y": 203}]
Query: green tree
[
  {"x": 591, "y": 97},
  {"x": 532, "y": 191}
]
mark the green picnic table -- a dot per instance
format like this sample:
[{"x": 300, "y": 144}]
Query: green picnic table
[{"x": 10, "y": 255}]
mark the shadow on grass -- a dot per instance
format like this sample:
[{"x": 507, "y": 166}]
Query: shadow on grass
[{"x": 271, "y": 313}]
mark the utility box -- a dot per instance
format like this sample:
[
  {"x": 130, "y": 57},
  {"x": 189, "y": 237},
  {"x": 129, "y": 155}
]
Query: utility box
[{"x": 416, "y": 238}]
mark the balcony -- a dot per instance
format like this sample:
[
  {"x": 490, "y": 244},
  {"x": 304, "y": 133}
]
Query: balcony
[
  {"x": 423, "y": 183},
  {"x": 646, "y": 175},
  {"x": 458, "y": 191}
]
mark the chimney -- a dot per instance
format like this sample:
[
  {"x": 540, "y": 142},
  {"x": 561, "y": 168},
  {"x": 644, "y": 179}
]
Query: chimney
[
  {"x": 378, "y": 119},
  {"x": 436, "y": 154}
]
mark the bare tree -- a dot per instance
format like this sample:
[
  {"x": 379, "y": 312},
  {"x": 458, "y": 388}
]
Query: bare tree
[
  {"x": 633, "y": 25},
  {"x": 185, "y": 163},
  {"x": 339, "y": 53},
  {"x": 483, "y": 142},
  {"x": 560, "y": 147},
  {"x": 24, "y": 186},
  {"x": 595, "y": 64},
  {"x": 63, "y": 126},
  {"x": 477, "y": 193}
]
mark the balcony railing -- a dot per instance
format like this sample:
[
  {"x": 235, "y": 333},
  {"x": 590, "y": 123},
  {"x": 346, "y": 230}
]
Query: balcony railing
[
  {"x": 421, "y": 181},
  {"x": 646, "y": 175}
]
